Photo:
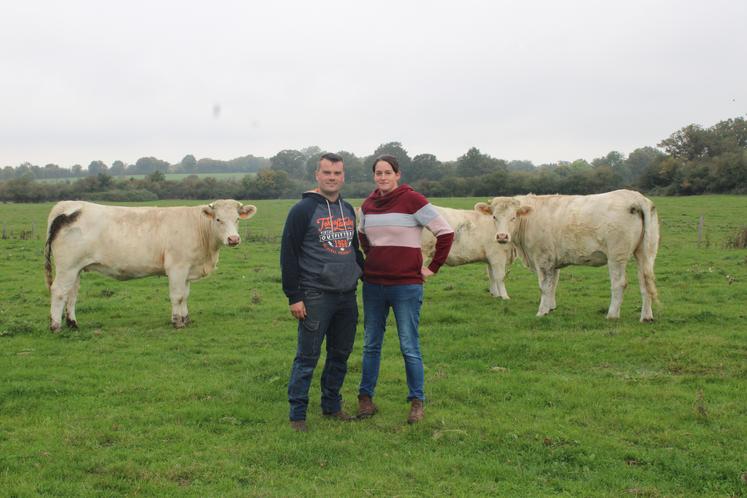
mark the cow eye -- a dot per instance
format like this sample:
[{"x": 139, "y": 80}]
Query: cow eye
[{"x": 218, "y": 220}]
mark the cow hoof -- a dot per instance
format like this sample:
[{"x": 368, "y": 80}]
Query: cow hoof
[
  {"x": 647, "y": 320},
  {"x": 71, "y": 324},
  {"x": 180, "y": 322},
  {"x": 55, "y": 328}
]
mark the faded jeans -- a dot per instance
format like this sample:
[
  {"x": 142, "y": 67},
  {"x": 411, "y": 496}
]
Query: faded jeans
[
  {"x": 406, "y": 301},
  {"x": 330, "y": 314}
]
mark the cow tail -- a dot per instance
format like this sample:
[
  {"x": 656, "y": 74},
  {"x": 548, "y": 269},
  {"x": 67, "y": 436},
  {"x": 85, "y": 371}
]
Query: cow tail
[
  {"x": 649, "y": 246},
  {"x": 54, "y": 228},
  {"x": 48, "y": 262}
]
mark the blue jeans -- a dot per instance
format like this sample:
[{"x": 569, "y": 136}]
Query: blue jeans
[
  {"x": 334, "y": 315},
  {"x": 406, "y": 301}
]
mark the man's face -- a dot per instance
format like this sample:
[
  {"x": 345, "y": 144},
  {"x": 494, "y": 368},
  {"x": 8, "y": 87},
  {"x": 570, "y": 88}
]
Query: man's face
[{"x": 330, "y": 177}]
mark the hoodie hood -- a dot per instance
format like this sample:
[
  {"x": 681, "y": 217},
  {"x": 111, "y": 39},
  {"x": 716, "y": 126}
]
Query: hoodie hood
[
  {"x": 382, "y": 201},
  {"x": 314, "y": 194}
]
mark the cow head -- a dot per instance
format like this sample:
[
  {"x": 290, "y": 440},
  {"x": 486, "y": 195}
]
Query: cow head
[
  {"x": 224, "y": 216},
  {"x": 506, "y": 212}
]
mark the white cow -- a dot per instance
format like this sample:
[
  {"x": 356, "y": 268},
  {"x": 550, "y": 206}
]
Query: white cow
[
  {"x": 554, "y": 231},
  {"x": 131, "y": 242},
  {"x": 474, "y": 241}
]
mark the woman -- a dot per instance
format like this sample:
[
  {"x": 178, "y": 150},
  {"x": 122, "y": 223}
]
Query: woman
[{"x": 392, "y": 219}]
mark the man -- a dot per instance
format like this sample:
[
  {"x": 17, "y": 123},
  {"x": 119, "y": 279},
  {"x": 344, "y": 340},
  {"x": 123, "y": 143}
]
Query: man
[{"x": 321, "y": 264}]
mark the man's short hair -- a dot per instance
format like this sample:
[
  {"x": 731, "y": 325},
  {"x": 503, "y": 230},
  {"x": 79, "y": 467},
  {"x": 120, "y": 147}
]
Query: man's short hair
[{"x": 331, "y": 157}]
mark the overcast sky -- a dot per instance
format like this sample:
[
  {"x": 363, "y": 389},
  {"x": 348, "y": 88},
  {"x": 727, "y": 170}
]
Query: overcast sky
[{"x": 538, "y": 80}]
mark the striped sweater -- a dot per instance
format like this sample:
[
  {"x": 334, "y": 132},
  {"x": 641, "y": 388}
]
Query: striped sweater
[{"x": 390, "y": 229}]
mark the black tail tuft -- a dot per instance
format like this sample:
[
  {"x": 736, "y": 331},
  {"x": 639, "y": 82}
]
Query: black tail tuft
[{"x": 54, "y": 228}]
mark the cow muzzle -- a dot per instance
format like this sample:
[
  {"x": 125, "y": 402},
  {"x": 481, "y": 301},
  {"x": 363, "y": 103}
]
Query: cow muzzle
[
  {"x": 502, "y": 238},
  {"x": 234, "y": 240}
]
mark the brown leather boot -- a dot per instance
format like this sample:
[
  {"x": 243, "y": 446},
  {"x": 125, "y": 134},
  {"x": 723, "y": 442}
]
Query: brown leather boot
[
  {"x": 366, "y": 407},
  {"x": 416, "y": 411}
]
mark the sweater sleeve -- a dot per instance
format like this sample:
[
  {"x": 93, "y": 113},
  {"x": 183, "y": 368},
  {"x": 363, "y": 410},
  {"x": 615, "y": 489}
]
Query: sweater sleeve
[
  {"x": 430, "y": 218},
  {"x": 443, "y": 246},
  {"x": 290, "y": 251}
]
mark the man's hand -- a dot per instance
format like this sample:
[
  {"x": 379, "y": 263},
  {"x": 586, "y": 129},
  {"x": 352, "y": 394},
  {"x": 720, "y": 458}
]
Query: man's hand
[
  {"x": 298, "y": 310},
  {"x": 425, "y": 272}
]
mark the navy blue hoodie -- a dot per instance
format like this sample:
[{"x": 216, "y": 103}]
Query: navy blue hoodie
[{"x": 319, "y": 249}]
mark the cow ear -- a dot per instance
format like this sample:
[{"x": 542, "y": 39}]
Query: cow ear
[
  {"x": 247, "y": 211},
  {"x": 523, "y": 210},
  {"x": 208, "y": 211},
  {"x": 483, "y": 208}
]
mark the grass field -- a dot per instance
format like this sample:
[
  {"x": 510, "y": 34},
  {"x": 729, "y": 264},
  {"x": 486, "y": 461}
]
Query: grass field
[{"x": 570, "y": 404}]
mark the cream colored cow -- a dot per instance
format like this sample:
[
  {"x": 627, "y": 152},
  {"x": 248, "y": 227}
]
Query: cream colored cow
[
  {"x": 554, "y": 231},
  {"x": 474, "y": 241},
  {"x": 131, "y": 242}
]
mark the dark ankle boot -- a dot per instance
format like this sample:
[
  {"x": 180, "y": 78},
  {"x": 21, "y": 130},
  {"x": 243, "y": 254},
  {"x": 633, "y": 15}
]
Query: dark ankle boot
[
  {"x": 416, "y": 411},
  {"x": 366, "y": 407}
]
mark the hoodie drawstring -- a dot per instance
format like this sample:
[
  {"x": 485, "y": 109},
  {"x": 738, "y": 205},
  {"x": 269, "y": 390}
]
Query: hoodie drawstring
[{"x": 342, "y": 216}]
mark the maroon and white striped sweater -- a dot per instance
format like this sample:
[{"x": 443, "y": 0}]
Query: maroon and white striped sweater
[{"x": 390, "y": 229}]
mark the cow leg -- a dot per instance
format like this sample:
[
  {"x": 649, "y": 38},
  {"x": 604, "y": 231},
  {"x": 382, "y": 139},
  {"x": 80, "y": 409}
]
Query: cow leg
[
  {"x": 647, "y": 314},
  {"x": 72, "y": 297},
  {"x": 64, "y": 282},
  {"x": 548, "y": 279},
  {"x": 497, "y": 274},
  {"x": 184, "y": 309},
  {"x": 179, "y": 292},
  {"x": 553, "y": 288},
  {"x": 618, "y": 283}
]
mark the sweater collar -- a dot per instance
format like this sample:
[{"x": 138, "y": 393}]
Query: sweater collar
[{"x": 390, "y": 198}]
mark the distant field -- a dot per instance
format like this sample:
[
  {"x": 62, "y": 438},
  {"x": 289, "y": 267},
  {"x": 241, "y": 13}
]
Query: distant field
[
  {"x": 169, "y": 176},
  {"x": 569, "y": 404}
]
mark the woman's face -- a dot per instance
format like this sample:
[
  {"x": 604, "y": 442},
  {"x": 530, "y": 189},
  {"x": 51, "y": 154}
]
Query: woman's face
[{"x": 385, "y": 177}]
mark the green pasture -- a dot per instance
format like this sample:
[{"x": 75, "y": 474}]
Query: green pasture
[{"x": 570, "y": 404}]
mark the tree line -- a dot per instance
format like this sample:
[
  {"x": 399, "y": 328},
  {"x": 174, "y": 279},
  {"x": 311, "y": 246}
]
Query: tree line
[
  {"x": 143, "y": 166},
  {"x": 693, "y": 160}
]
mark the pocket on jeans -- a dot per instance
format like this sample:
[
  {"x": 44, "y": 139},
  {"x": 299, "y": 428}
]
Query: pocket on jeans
[{"x": 311, "y": 325}]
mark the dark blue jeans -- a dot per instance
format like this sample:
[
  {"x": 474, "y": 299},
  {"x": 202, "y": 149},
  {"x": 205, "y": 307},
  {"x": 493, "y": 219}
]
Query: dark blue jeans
[
  {"x": 406, "y": 301},
  {"x": 334, "y": 315}
]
